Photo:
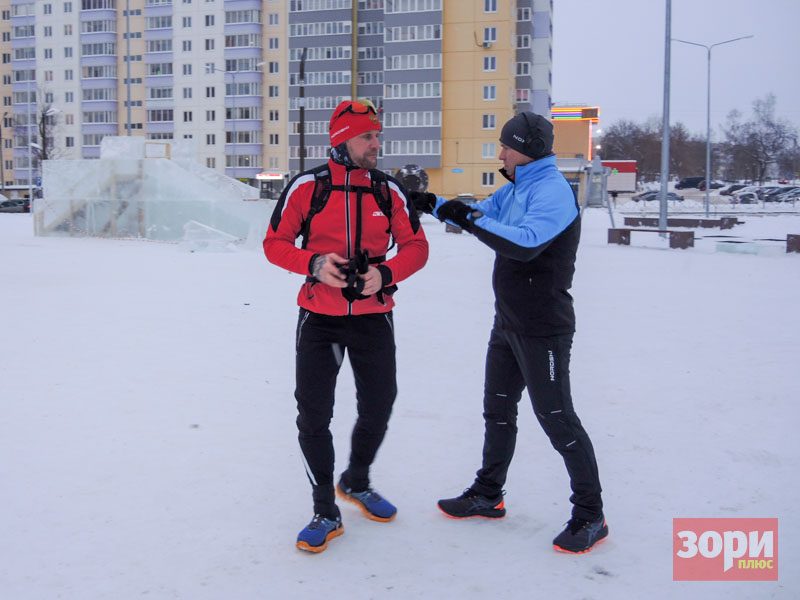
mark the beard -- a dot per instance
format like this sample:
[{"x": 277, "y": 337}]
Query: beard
[{"x": 366, "y": 161}]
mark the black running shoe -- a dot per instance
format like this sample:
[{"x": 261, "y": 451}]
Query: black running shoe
[
  {"x": 473, "y": 504},
  {"x": 581, "y": 535}
]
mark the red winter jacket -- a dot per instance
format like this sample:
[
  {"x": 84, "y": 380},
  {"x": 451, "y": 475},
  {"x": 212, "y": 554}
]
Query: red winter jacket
[{"x": 333, "y": 229}]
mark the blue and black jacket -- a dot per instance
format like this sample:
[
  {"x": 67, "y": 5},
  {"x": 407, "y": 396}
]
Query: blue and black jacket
[{"x": 533, "y": 224}]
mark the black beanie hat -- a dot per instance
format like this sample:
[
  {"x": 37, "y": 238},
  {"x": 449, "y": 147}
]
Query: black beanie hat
[{"x": 530, "y": 134}]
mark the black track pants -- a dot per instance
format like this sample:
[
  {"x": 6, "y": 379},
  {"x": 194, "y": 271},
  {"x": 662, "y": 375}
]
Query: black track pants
[
  {"x": 541, "y": 364},
  {"x": 321, "y": 344}
]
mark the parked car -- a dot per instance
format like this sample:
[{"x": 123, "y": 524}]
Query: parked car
[
  {"x": 653, "y": 195},
  {"x": 688, "y": 182},
  {"x": 789, "y": 194},
  {"x": 715, "y": 185},
  {"x": 763, "y": 191},
  {"x": 745, "y": 198},
  {"x": 727, "y": 191},
  {"x": 18, "y": 205}
]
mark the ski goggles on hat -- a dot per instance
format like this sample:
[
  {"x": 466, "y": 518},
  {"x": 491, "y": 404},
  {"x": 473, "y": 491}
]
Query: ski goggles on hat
[{"x": 359, "y": 107}]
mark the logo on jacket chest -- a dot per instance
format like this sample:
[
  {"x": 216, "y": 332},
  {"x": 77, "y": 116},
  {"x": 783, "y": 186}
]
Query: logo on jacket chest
[{"x": 377, "y": 213}]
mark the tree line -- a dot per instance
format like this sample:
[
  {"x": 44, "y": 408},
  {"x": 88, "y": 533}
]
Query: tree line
[{"x": 756, "y": 149}]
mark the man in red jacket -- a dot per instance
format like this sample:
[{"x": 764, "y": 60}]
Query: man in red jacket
[{"x": 347, "y": 212}]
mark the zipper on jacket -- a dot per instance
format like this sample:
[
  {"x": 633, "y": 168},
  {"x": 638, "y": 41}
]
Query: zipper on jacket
[{"x": 347, "y": 226}]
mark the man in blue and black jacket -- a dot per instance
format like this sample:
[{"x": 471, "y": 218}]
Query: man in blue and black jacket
[{"x": 533, "y": 224}]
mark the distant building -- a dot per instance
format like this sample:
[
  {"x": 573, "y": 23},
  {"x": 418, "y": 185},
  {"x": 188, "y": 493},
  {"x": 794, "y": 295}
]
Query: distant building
[{"x": 446, "y": 74}]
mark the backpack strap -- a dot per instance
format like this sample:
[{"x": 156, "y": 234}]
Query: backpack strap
[{"x": 319, "y": 198}]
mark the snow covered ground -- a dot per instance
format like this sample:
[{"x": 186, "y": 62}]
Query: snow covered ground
[{"x": 149, "y": 449}]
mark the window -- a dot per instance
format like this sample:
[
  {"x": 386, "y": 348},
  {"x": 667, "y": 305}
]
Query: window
[
  {"x": 69, "y": 142},
  {"x": 523, "y": 41},
  {"x": 273, "y": 43},
  {"x": 523, "y": 96},
  {"x": 490, "y": 92},
  {"x": 69, "y": 97},
  {"x": 490, "y": 63},
  {"x": 48, "y": 9},
  {"x": 68, "y": 29},
  {"x": 187, "y": 92},
  {"x": 274, "y": 115},
  {"x": 187, "y": 69},
  {"x": 211, "y": 139},
  {"x": 164, "y": 22},
  {"x": 67, "y": 74},
  {"x": 489, "y": 35},
  {"x": 209, "y": 44},
  {"x": 490, "y": 6},
  {"x": 523, "y": 68},
  {"x": 209, "y": 20},
  {"x": 211, "y": 115},
  {"x": 67, "y": 52},
  {"x": 187, "y": 45},
  {"x": 489, "y": 150},
  {"x": 523, "y": 14},
  {"x": 67, "y": 7},
  {"x": 159, "y": 69},
  {"x": 273, "y": 18},
  {"x": 48, "y": 31},
  {"x": 159, "y": 115},
  {"x": 211, "y": 163},
  {"x": 187, "y": 21},
  {"x": 159, "y": 45},
  {"x": 273, "y": 91},
  {"x": 210, "y": 92},
  {"x": 187, "y": 116},
  {"x": 159, "y": 93},
  {"x": 273, "y": 67},
  {"x": 273, "y": 139},
  {"x": 487, "y": 179}
]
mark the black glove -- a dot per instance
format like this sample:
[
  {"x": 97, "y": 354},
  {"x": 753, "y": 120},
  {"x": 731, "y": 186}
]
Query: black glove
[
  {"x": 423, "y": 201},
  {"x": 359, "y": 264},
  {"x": 456, "y": 212}
]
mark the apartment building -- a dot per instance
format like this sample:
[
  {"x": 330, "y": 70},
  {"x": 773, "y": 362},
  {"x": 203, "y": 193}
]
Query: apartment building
[
  {"x": 224, "y": 75},
  {"x": 446, "y": 75}
]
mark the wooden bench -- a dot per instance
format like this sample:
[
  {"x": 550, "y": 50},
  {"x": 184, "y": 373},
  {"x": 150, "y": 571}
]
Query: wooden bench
[
  {"x": 677, "y": 239},
  {"x": 722, "y": 222}
]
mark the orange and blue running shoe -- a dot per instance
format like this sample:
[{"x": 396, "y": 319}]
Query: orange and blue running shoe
[
  {"x": 372, "y": 504},
  {"x": 314, "y": 536}
]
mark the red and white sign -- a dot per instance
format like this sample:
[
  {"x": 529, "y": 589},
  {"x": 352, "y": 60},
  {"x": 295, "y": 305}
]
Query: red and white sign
[{"x": 725, "y": 549}]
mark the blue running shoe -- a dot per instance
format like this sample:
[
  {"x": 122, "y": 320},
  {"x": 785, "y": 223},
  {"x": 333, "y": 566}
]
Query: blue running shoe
[
  {"x": 371, "y": 503},
  {"x": 472, "y": 504},
  {"x": 315, "y": 535},
  {"x": 581, "y": 535}
]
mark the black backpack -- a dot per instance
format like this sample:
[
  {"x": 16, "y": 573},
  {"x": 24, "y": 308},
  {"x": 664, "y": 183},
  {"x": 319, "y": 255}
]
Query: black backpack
[{"x": 322, "y": 192}]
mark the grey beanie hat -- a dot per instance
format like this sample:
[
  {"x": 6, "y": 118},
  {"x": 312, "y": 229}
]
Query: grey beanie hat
[{"x": 528, "y": 133}]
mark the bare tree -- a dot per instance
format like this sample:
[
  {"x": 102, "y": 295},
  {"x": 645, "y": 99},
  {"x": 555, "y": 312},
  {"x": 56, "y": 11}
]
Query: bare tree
[
  {"x": 752, "y": 146},
  {"x": 642, "y": 143}
]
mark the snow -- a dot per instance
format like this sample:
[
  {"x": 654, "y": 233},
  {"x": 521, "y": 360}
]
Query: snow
[{"x": 149, "y": 446}]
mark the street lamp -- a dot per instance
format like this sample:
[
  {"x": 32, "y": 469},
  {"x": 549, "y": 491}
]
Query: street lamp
[
  {"x": 2, "y": 162},
  {"x": 210, "y": 68},
  {"x": 708, "y": 108},
  {"x": 28, "y": 140}
]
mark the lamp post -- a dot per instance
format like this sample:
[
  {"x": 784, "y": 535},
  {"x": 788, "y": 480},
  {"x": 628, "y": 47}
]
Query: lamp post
[
  {"x": 28, "y": 140},
  {"x": 708, "y": 108},
  {"x": 2, "y": 162},
  {"x": 302, "y": 104},
  {"x": 209, "y": 69}
]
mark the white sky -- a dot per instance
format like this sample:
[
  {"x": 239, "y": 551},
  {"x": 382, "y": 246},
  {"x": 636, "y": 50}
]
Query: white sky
[{"x": 611, "y": 54}]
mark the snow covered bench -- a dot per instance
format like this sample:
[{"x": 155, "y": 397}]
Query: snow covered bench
[{"x": 677, "y": 239}]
